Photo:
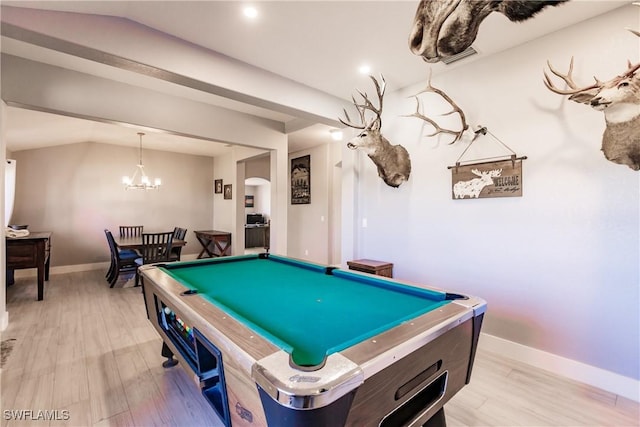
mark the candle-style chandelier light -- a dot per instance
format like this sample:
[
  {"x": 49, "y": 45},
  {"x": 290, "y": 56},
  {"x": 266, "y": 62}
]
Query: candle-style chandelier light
[{"x": 144, "y": 182}]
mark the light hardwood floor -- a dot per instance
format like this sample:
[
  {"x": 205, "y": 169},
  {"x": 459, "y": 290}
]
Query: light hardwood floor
[{"x": 90, "y": 350}]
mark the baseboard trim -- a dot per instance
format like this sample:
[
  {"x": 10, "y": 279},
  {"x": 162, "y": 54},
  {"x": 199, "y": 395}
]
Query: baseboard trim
[
  {"x": 578, "y": 371},
  {"x": 62, "y": 269}
]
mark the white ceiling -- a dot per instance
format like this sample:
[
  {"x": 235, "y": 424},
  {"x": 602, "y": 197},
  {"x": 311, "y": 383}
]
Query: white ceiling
[{"x": 320, "y": 44}]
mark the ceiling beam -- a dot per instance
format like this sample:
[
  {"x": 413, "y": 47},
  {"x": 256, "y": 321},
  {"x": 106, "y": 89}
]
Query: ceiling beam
[{"x": 107, "y": 40}]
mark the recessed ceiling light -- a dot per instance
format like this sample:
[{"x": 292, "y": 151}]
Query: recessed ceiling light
[
  {"x": 250, "y": 12},
  {"x": 336, "y": 134},
  {"x": 364, "y": 69}
]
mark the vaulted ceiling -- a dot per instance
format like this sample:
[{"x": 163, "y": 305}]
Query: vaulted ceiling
[{"x": 319, "y": 44}]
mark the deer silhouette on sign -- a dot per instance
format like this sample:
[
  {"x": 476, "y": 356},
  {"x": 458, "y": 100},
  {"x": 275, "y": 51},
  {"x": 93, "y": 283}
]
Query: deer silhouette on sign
[
  {"x": 392, "y": 161},
  {"x": 473, "y": 187}
]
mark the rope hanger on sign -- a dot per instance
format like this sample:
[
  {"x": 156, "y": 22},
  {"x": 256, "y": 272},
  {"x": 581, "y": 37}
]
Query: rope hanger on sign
[{"x": 482, "y": 130}]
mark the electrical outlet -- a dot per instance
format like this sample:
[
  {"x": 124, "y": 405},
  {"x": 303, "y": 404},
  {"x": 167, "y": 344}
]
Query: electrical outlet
[
  {"x": 306, "y": 251},
  {"x": 364, "y": 222}
]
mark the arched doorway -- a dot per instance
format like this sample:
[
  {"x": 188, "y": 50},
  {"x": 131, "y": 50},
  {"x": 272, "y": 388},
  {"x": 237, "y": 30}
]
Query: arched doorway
[{"x": 257, "y": 206}]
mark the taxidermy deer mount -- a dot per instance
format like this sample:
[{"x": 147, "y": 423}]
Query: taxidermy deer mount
[
  {"x": 445, "y": 28},
  {"x": 393, "y": 162},
  {"x": 619, "y": 100},
  {"x": 455, "y": 109}
]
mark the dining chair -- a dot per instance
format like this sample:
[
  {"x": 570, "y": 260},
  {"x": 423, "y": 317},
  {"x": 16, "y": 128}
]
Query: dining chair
[
  {"x": 156, "y": 247},
  {"x": 178, "y": 233},
  {"x": 121, "y": 261},
  {"x": 131, "y": 230}
]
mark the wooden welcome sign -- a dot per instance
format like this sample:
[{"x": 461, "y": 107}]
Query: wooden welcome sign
[{"x": 488, "y": 179}]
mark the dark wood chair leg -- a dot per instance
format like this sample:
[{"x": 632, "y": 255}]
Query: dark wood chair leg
[
  {"x": 109, "y": 271},
  {"x": 112, "y": 271},
  {"x": 10, "y": 276}
]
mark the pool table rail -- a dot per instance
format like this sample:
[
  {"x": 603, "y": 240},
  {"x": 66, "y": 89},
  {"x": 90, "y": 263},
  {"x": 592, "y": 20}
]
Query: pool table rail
[
  {"x": 209, "y": 319},
  {"x": 306, "y": 390},
  {"x": 375, "y": 354}
]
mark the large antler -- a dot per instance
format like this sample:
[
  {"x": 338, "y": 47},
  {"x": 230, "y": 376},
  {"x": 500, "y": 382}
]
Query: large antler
[
  {"x": 632, "y": 68},
  {"x": 376, "y": 123},
  {"x": 455, "y": 109},
  {"x": 568, "y": 79},
  {"x": 573, "y": 87}
]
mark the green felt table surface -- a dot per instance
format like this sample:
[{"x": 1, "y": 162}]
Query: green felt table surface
[{"x": 301, "y": 309}]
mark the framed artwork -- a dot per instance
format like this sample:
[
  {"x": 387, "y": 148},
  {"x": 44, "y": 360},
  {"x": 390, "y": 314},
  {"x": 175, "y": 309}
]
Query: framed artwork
[
  {"x": 218, "y": 186},
  {"x": 227, "y": 191},
  {"x": 248, "y": 201},
  {"x": 487, "y": 179},
  {"x": 301, "y": 180}
]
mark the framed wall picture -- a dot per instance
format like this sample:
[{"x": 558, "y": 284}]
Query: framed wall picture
[
  {"x": 487, "y": 179},
  {"x": 301, "y": 180},
  {"x": 218, "y": 186},
  {"x": 248, "y": 201},
  {"x": 227, "y": 191}
]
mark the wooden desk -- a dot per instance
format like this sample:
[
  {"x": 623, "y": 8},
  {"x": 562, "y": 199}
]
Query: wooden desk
[
  {"x": 135, "y": 242},
  {"x": 380, "y": 268},
  {"x": 32, "y": 251},
  {"x": 214, "y": 243}
]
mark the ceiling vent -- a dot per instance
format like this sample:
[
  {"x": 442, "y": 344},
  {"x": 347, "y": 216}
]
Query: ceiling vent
[{"x": 457, "y": 57}]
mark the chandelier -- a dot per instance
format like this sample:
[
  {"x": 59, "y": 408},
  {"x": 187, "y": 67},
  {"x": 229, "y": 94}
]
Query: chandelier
[{"x": 144, "y": 183}]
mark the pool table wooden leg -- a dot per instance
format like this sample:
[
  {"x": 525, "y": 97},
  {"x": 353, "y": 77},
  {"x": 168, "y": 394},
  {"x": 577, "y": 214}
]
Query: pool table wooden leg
[
  {"x": 438, "y": 420},
  {"x": 166, "y": 352}
]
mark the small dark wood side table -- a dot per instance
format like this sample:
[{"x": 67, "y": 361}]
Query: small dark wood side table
[
  {"x": 32, "y": 251},
  {"x": 214, "y": 243},
  {"x": 380, "y": 268}
]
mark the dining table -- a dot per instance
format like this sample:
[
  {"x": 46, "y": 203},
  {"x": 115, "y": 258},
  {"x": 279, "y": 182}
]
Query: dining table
[{"x": 135, "y": 242}]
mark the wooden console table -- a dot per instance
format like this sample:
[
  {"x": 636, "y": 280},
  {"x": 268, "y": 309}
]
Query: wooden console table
[
  {"x": 214, "y": 243},
  {"x": 32, "y": 251},
  {"x": 381, "y": 268}
]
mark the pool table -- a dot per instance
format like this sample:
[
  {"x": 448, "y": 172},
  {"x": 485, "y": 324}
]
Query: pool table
[{"x": 276, "y": 341}]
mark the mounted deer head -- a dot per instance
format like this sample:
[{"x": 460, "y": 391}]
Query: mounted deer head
[
  {"x": 393, "y": 162},
  {"x": 619, "y": 99},
  {"x": 447, "y": 27},
  {"x": 455, "y": 109}
]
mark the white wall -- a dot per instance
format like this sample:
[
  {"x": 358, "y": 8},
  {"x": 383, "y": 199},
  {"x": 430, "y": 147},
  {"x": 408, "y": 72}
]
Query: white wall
[
  {"x": 224, "y": 169},
  {"x": 76, "y": 191},
  {"x": 308, "y": 226},
  {"x": 559, "y": 266}
]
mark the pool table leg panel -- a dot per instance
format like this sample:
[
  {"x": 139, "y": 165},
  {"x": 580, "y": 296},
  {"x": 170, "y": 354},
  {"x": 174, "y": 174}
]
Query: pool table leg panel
[
  {"x": 424, "y": 369},
  {"x": 332, "y": 415},
  {"x": 245, "y": 406}
]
